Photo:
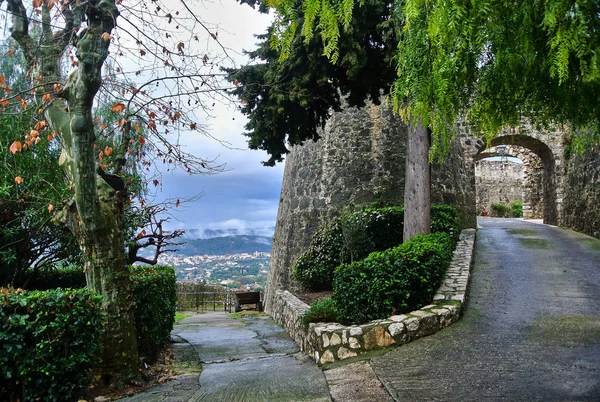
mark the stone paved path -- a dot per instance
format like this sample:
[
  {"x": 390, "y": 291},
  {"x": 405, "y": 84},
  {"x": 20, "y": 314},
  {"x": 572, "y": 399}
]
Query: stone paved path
[
  {"x": 250, "y": 359},
  {"x": 531, "y": 330}
]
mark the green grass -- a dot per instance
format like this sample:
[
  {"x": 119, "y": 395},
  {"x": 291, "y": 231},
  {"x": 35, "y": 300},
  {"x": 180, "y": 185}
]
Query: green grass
[{"x": 180, "y": 316}]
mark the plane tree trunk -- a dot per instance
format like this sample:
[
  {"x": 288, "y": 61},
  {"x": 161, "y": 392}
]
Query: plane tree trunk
[
  {"x": 417, "y": 201},
  {"x": 94, "y": 214}
]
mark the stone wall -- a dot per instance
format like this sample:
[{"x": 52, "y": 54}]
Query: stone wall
[
  {"x": 581, "y": 204},
  {"x": 359, "y": 159},
  {"x": 330, "y": 342},
  {"x": 497, "y": 182}
]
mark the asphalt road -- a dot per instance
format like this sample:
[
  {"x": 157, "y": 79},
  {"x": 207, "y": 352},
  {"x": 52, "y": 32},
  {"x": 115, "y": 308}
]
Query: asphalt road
[{"x": 531, "y": 330}]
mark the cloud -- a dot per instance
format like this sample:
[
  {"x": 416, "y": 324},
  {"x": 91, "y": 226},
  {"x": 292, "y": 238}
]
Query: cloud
[{"x": 246, "y": 196}]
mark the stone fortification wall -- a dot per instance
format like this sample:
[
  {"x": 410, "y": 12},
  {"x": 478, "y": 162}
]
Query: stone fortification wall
[
  {"x": 581, "y": 203},
  {"x": 498, "y": 182},
  {"x": 359, "y": 159}
]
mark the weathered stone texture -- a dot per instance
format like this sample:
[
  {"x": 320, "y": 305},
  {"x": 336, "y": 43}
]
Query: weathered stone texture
[
  {"x": 581, "y": 205},
  {"x": 498, "y": 182}
]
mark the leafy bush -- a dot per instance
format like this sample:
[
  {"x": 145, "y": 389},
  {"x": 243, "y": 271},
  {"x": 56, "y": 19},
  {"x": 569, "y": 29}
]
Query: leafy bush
[
  {"x": 500, "y": 210},
  {"x": 314, "y": 268},
  {"x": 323, "y": 310},
  {"x": 445, "y": 219},
  {"x": 516, "y": 209},
  {"x": 155, "y": 297},
  {"x": 345, "y": 239},
  {"x": 398, "y": 280},
  {"x": 48, "y": 343},
  {"x": 355, "y": 235},
  {"x": 70, "y": 277}
]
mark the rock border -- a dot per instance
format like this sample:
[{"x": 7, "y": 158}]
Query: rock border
[{"x": 331, "y": 342}]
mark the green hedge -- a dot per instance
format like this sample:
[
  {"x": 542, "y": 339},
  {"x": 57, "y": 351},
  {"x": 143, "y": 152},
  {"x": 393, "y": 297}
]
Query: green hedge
[
  {"x": 398, "y": 280},
  {"x": 355, "y": 235},
  {"x": 155, "y": 297},
  {"x": 48, "y": 343},
  {"x": 347, "y": 238},
  {"x": 69, "y": 277}
]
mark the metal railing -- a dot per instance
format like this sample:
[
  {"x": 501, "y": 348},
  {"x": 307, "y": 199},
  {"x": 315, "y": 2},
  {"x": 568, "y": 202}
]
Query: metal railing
[
  {"x": 205, "y": 301},
  {"x": 200, "y": 298}
]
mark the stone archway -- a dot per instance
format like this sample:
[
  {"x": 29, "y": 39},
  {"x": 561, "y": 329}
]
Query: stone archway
[
  {"x": 547, "y": 148},
  {"x": 531, "y": 182}
]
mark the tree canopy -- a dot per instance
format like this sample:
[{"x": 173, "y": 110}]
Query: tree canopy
[
  {"x": 149, "y": 62},
  {"x": 494, "y": 62}
]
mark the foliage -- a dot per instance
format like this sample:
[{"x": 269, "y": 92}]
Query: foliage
[
  {"x": 288, "y": 93},
  {"x": 516, "y": 209},
  {"x": 29, "y": 241},
  {"x": 492, "y": 60},
  {"x": 67, "y": 277},
  {"x": 354, "y": 235},
  {"x": 73, "y": 54},
  {"x": 500, "y": 210},
  {"x": 444, "y": 218},
  {"x": 347, "y": 238},
  {"x": 155, "y": 297},
  {"x": 394, "y": 281},
  {"x": 323, "y": 310},
  {"x": 49, "y": 342}
]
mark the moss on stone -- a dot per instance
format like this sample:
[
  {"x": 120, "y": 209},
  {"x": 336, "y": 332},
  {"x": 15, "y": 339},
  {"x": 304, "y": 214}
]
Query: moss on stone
[
  {"x": 566, "y": 330},
  {"x": 535, "y": 243},
  {"x": 523, "y": 232}
]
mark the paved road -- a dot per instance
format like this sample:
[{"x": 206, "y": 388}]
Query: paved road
[{"x": 531, "y": 330}]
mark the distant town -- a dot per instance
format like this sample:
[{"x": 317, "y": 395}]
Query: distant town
[
  {"x": 247, "y": 271},
  {"x": 236, "y": 262}
]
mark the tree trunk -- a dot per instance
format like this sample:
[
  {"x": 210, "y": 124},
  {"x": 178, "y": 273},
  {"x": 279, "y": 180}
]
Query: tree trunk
[{"x": 417, "y": 200}]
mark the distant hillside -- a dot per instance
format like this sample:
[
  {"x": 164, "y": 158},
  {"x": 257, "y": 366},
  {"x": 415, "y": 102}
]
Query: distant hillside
[
  {"x": 226, "y": 245},
  {"x": 210, "y": 233}
]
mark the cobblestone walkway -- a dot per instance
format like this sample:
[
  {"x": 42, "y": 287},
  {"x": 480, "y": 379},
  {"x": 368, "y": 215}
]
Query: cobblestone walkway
[{"x": 531, "y": 330}]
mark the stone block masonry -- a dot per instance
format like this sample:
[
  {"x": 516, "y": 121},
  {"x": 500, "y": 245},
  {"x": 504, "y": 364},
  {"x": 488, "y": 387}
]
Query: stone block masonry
[
  {"x": 331, "y": 342},
  {"x": 581, "y": 210},
  {"x": 497, "y": 182}
]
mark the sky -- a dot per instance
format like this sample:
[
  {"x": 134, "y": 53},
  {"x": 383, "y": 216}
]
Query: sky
[{"x": 246, "y": 196}]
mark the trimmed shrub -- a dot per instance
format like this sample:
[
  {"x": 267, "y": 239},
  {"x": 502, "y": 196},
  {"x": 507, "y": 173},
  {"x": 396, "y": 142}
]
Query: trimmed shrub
[
  {"x": 155, "y": 297},
  {"x": 48, "y": 343},
  {"x": 323, "y": 310},
  {"x": 348, "y": 238},
  {"x": 355, "y": 235},
  {"x": 500, "y": 210},
  {"x": 445, "y": 219},
  {"x": 398, "y": 280},
  {"x": 71, "y": 277},
  {"x": 516, "y": 209}
]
